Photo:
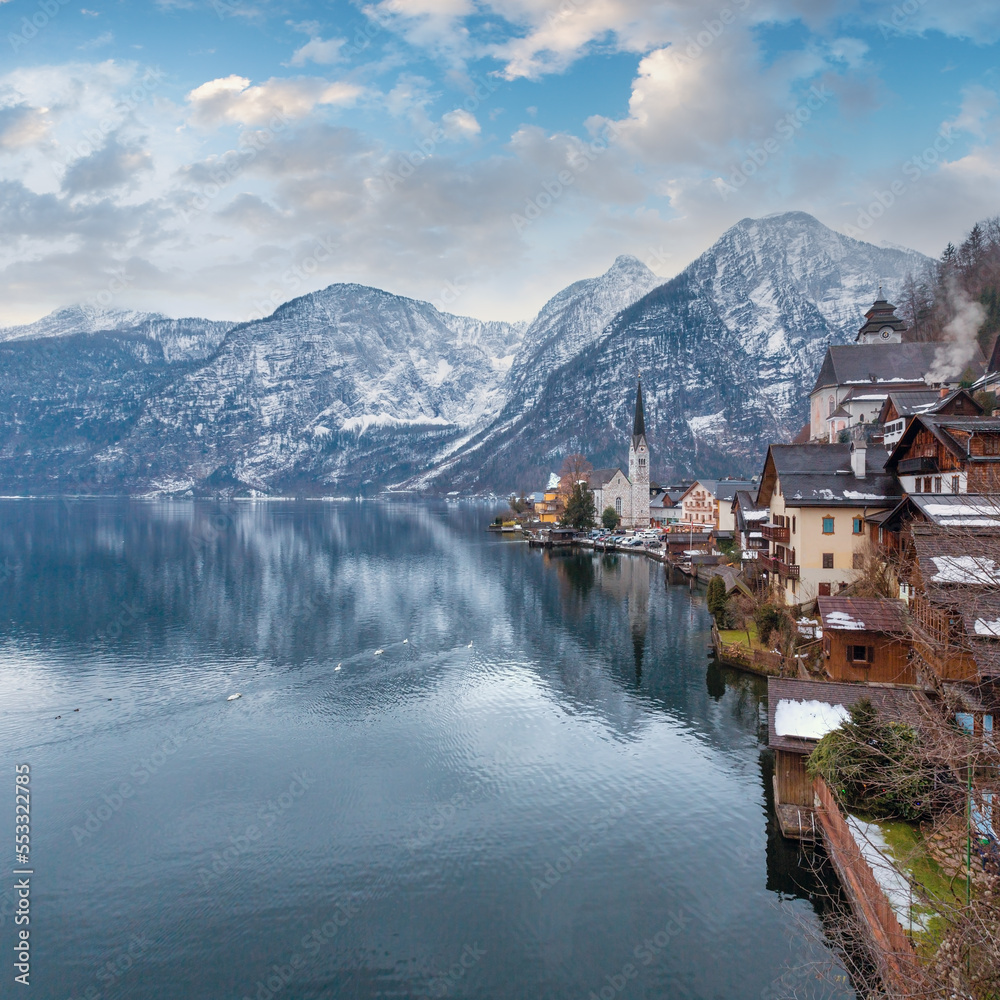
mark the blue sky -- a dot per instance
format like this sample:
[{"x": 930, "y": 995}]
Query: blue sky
[{"x": 216, "y": 158}]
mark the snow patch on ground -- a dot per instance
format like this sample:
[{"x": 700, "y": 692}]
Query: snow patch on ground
[
  {"x": 437, "y": 377},
  {"x": 808, "y": 720},
  {"x": 893, "y": 883},
  {"x": 366, "y": 420},
  {"x": 708, "y": 425}
]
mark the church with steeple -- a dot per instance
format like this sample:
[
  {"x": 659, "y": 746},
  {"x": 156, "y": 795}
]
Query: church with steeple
[{"x": 627, "y": 495}]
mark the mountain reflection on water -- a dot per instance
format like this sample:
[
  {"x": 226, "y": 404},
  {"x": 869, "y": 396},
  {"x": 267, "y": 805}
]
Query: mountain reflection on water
[{"x": 526, "y": 775}]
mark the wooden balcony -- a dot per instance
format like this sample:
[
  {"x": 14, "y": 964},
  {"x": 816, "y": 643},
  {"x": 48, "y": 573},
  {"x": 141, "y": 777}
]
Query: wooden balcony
[
  {"x": 775, "y": 533},
  {"x": 788, "y": 570},
  {"x": 767, "y": 563},
  {"x": 922, "y": 464}
]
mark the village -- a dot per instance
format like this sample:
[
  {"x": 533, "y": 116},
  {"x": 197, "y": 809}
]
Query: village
[{"x": 859, "y": 570}]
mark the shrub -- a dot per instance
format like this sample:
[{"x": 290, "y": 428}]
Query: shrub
[
  {"x": 876, "y": 766},
  {"x": 768, "y": 619}
]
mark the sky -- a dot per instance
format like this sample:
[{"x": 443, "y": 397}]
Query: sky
[{"x": 218, "y": 157}]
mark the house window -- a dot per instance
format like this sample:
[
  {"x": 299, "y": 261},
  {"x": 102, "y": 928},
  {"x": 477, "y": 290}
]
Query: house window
[
  {"x": 618, "y": 506},
  {"x": 862, "y": 654},
  {"x": 824, "y": 590},
  {"x": 793, "y": 524},
  {"x": 827, "y": 560},
  {"x": 955, "y": 484},
  {"x": 827, "y": 525},
  {"x": 858, "y": 560},
  {"x": 832, "y": 405},
  {"x": 916, "y": 484},
  {"x": 927, "y": 484},
  {"x": 937, "y": 484},
  {"x": 858, "y": 525}
]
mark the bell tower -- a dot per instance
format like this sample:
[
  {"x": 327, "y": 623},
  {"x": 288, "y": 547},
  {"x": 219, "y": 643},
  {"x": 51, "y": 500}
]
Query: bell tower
[
  {"x": 882, "y": 325},
  {"x": 638, "y": 464}
]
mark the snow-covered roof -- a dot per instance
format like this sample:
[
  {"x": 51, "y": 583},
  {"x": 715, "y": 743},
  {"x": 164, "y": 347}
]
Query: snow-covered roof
[
  {"x": 965, "y": 569},
  {"x": 808, "y": 720},
  {"x": 862, "y": 614}
]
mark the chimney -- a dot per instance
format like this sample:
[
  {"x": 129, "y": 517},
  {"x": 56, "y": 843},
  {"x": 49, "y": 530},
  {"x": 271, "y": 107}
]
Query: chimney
[
  {"x": 858, "y": 456},
  {"x": 944, "y": 391}
]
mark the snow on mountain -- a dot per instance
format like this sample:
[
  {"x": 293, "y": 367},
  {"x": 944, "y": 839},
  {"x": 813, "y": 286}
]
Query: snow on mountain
[
  {"x": 76, "y": 319},
  {"x": 728, "y": 352},
  {"x": 180, "y": 339},
  {"x": 338, "y": 387},
  {"x": 353, "y": 389},
  {"x": 571, "y": 322}
]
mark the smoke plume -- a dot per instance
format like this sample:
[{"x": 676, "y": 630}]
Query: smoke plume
[{"x": 959, "y": 345}]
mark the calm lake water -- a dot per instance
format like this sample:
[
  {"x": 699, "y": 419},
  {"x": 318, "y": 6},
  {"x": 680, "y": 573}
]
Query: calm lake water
[{"x": 527, "y": 779}]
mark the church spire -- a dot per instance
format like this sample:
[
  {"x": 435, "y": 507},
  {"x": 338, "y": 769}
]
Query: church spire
[{"x": 639, "y": 425}]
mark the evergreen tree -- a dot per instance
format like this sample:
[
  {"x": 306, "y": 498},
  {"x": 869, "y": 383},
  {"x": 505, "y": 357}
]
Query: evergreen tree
[
  {"x": 971, "y": 252},
  {"x": 717, "y": 601},
  {"x": 580, "y": 511}
]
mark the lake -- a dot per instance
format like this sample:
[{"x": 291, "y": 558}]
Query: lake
[{"x": 458, "y": 767}]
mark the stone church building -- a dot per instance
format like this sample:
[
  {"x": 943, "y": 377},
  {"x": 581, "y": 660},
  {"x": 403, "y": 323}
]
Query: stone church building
[{"x": 627, "y": 495}]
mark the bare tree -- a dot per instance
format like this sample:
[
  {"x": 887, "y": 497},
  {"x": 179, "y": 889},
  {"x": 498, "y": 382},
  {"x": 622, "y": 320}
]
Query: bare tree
[{"x": 575, "y": 469}]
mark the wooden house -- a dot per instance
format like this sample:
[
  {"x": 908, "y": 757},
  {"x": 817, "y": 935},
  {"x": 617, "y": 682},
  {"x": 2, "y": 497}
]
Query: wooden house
[
  {"x": 903, "y": 404},
  {"x": 955, "y": 602},
  {"x": 943, "y": 454},
  {"x": 889, "y": 530},
  {"x": 799, "y": 714},
  {"x": 866, "y": 639}
]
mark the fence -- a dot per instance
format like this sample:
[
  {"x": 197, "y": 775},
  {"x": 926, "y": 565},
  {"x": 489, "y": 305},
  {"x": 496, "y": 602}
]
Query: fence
[{"x": 891, "y": 947}]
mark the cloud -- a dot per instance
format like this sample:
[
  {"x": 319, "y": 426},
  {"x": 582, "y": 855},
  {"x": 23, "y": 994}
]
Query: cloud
[
  {"x": 556, "y": 35},
  {"x": 112, "y": 166},
  {"x": 318, "y": 50},
  {"x": 104, "y": 38},
  {"x": 460, "y": 124},
  {"x": 979, "y": 109},
  {"x": 21, "y": 125},
  {"x": 233, "y": 100}
]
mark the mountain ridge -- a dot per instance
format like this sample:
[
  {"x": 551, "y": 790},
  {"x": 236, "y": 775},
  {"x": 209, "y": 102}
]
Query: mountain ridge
[{"x": 353, "y": 389}]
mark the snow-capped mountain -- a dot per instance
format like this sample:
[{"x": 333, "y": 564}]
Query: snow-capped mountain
[
  {"x": 728, "y": 351},
  {"x": 354, "y": 389},
  {"x": 180, "y": 339},
  {"x": 347, "y": 387}
]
